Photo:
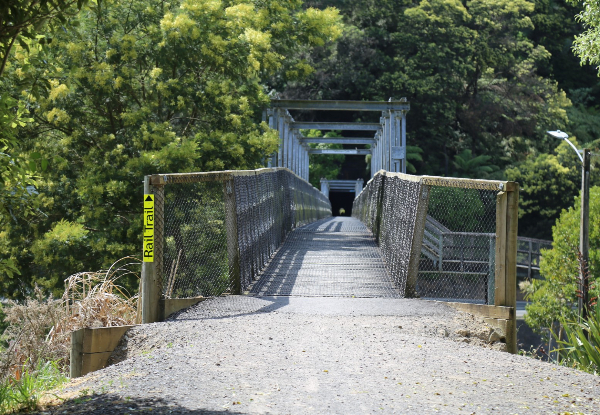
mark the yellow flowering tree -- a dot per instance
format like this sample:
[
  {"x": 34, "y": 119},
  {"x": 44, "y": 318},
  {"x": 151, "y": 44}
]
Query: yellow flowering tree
[{"x": 148, "y": 86}]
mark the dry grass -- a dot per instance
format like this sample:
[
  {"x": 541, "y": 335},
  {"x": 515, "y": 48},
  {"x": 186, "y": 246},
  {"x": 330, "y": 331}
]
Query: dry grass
[{"x": 40, "y": 329}]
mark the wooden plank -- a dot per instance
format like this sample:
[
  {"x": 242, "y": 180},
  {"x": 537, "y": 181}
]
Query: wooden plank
[
  {"x": 76, "y": 353},
  {"x": 417, "y": 241},
  {"x": 94, "y": 361},
  {"x": 103, "y": 339},
  {"x": 500, "y": 270},
  {"x": 233, "y": 251},
  {"x": 512, "y": 218},
  {"x": 483, "y": 310},
  {"x": 149, "y": 300},
  {"x": 463, "y": 182},
  {"x": 173, "y": 305}
]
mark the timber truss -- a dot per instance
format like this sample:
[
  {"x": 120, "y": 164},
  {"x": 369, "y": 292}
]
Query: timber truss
[{"x": 387, "y": 139}]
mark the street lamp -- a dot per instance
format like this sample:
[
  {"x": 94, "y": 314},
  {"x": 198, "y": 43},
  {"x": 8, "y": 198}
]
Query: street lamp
[{"x": 584, "y": 232}]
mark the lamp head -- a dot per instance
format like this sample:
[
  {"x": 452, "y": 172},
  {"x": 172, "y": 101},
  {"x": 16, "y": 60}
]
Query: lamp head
[{"x": 558, "y": 134}]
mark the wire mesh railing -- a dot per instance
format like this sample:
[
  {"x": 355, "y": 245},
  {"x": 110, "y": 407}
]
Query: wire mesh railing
[
  {"x": 214, "y": 232},
  {"x": 443, "y": 238}
]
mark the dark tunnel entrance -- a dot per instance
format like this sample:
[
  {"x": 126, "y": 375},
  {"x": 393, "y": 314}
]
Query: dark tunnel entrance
[{"x": 341, "y": 200}]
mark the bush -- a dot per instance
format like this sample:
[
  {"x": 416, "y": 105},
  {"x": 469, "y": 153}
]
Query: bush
[
  {"x": 581, "y": 347},
  {"x": 40, "y": 329},
  {"x": 26, "y": 391}
]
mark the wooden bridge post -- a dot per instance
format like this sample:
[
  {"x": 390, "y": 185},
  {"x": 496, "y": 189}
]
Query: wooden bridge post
[
  {"x": 505, "y": 293},
  {"x": 233, "y": 251},
  {"x": 152, "y": 269}
]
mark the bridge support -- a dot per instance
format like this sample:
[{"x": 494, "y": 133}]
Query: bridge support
[
  {"x": 151, "y": 270},
  {"x": 387, "y": 147}
]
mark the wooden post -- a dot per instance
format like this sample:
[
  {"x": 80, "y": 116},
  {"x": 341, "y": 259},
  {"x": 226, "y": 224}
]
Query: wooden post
[
  {"x": 417, "y": 241},
  {"x": 500, "y": 271},
  {"x": 510, "y": 300},
  {"x": 76, "y": 353},
  {"x": 233, "y": 251},
  {"x": 379, "y": 209},
  {"x": 151, "y": 272}
]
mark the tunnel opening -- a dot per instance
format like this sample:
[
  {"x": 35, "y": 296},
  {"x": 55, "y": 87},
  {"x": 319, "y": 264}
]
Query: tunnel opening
[{"x": 341, "y": 200}]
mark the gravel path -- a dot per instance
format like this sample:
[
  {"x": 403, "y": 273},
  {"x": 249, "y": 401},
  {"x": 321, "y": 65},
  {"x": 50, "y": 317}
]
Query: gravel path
[{"x": 324, "y": 356}]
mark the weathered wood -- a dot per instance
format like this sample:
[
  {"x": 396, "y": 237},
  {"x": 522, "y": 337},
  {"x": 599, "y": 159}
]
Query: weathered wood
[
  {"x": 417, "y": 242},
  {"x": 512, "y": 218},
  {"x": 500, "y": 271},
  {"x": 94, "y": 361},
  {"x": 173, "y": 305},
  {"x": 76, "y": 353},
  {"x": 103, "y": 339},
  {"x": 511, "y": 336},
  {"x": 483, "y": 310},
  {"x": 233, "y": 250},
  {"x": 150, "y": 291},
  {"x": 510, "y": 300}
]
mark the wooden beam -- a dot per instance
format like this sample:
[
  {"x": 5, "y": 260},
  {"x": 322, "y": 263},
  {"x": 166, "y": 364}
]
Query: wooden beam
[
  {"x": 512, "y": 219},
  {"x": 483, "y": 310},
  {"x": 173, "y": 305},
  {"x": 103, "y": 339},
  {"x": 500, "y": 271},
  {"x": 76, "y": 353}
]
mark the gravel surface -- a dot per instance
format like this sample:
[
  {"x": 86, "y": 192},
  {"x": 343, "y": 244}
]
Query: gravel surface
[{"x": 324, "y": 355}]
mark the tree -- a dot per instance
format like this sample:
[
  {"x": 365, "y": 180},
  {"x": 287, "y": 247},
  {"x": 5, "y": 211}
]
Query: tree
[
  {"x": 146, "y": 87},
  {"x": 20, "y": 25},
  {"x": 324, "y": 166},
  {"x": 467, "y": 165},
  {"x": 587, "y": 45},
  {"x": 549, "y": 184},
  {"x": 469, "y": 70},
  {"x": 555, "y": 296}
]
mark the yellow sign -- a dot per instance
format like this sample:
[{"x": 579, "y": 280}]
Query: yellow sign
[{"x": 148, "y": 228}]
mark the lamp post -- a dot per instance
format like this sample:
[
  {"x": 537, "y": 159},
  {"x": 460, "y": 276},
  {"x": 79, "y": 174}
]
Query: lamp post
[{"x": 584, "y": 232}]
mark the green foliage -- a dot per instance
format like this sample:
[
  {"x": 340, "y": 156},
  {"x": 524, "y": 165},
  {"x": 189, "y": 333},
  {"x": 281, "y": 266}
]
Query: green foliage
[
  {"x": 460, "y": 210},
  {"x": 467, "y": 165},
  {"x": 324, "y": 166},
  {"x": 24, "y": 393},
  {"x": 555, "y": 296},
  {"x": 585, "y": 45},
  {"x": 136, "y": 88},
  {"x": 469, "y": 70},
  {"x": 580, "y": 347},
  {"x": 22, "y": 20},
  {"x": 548, "y": 185},
  {"x": 64, "y": 248}
]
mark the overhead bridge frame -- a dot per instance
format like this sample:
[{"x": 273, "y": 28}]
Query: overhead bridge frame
[{"x": 388, "y": 144}]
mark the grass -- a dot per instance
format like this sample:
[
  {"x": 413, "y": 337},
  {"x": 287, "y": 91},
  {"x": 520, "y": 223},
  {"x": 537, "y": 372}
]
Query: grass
[
  {"x": 581, "y": 346},
  {"x": 36, "y": 342},
  {"x": 24, "y": 392}
]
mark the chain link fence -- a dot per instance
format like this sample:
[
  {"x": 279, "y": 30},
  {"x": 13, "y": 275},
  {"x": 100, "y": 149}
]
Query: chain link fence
[
  {"x": 214, "y": 232},
  {"x": 438, "y": 236}
]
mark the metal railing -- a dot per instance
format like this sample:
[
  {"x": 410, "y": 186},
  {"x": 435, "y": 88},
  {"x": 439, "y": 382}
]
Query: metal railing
[
  {"x": 529, "y": 255},
  {"x": 445, "y": 238},
  {"x": 214, "y": 232}
]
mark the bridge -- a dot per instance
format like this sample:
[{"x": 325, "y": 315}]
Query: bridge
[
  {"x": 269, "y": 233},
  {"x": 302, "y": 312}
]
